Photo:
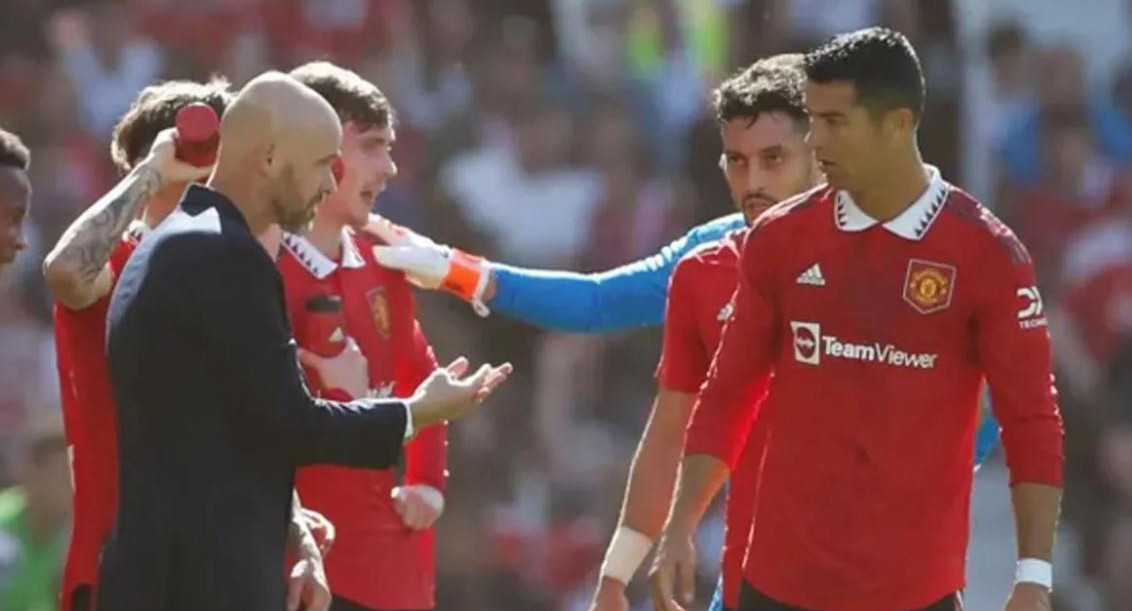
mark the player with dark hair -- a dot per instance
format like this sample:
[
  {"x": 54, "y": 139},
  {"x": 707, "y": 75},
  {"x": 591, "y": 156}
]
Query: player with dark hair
[
  {"x": 81, "y": 272},
  {"x": 385, "y": 555},
  {"x": 763, "y": 125},
  {"x": 15, "y": 196},
  {"x": 881, "y": 301}
]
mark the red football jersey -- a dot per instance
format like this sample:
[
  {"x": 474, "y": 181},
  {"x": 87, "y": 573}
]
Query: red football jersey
[
  {"x": 699, "y": 303},
  {"x": 90, "y": 425},
  {"x": 880, "y": 336},
  {"x": 377, "y": 561}
]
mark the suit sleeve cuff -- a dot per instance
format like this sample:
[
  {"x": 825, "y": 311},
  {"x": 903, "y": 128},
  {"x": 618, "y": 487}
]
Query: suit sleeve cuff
[{"x": 410, "y": 430}]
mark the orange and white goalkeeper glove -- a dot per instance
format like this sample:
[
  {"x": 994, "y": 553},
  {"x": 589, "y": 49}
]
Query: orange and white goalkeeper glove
[{"x": 430, "y": 265}]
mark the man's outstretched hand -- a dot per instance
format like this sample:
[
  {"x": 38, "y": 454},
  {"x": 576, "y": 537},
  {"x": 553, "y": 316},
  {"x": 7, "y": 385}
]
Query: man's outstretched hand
[{"x": 448, "y": 394}]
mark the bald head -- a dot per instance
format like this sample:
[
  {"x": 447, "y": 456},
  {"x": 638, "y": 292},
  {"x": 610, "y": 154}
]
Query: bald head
[
  {"x": 273, "y": 108},
  {"x": 277, "y": 141}
]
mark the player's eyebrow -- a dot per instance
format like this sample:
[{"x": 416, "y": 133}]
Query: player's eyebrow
[
  {"x": 831, "y": 114},
  {"x": 380, "y": 138},
  {"x": 774, "y": 148},
  {"x": 733, "y": 153}
]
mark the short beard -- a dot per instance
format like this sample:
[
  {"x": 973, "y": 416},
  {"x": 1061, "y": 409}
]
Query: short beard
[{"x": 283, "y": 194}]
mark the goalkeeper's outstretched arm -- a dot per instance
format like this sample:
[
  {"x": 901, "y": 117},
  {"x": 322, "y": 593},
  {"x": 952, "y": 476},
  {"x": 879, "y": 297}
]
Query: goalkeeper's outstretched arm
[{"x": 629, "y": 296}]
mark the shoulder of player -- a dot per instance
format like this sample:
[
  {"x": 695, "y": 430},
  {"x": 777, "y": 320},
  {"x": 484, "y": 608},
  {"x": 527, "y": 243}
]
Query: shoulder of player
[
  {"x": 364, "y": 243},
  {"x": 976, "y": 226},
  {"x": 786, "y": 214},
  {"x": 723, "y": 251}
]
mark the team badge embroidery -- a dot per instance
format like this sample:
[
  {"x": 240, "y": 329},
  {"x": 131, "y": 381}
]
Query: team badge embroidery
[
  {"x": 928, "y": 286},
  {"x": 379, "y": 307}
]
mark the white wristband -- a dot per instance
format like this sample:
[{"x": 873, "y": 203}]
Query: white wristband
[
  {"x": 1032, "y": 570},
  {"x": 627, "y": 550}
]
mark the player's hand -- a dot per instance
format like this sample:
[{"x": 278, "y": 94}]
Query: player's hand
[
  {"x": 419, "y": 506},
  {"x": 610, "y": 596},
  {"x": 445, "y": 395},
  {"x": 163, "y": 159},
  {"x": 673, "y": 571},
  {"x": 347, "y": 371},
  {"x": 321, "y": 529},
  {"x": 430, "y": 265},
  {"x": 424, "y": 262},
  {"x": 307, "y": 588},
  {"x": 1028, "y": 597}
]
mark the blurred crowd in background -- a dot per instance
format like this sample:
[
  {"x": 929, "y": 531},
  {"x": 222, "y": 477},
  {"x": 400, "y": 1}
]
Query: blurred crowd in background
[{"x": 576, "y": 134}]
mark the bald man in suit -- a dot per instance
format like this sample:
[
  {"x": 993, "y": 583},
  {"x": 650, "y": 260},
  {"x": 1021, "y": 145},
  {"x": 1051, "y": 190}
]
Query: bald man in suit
[{"x": 213, "y": 415}]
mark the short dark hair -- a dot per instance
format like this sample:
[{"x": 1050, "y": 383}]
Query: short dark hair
[
  {"x": 13, "y": 153},
  {"x": 352, "y": 97},
  {"x": 774, "y": 84},
  {"x": 879, "y": 62},
  {"x": 155, "y": 109}
]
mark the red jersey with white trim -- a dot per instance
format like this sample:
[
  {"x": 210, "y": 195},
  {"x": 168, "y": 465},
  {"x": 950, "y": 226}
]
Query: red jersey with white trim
[
  {"x": 880, "y": 336},
  {"x": 699, "y": 303},
  {"x": 377, "y": 561},
  {"x": 90, "y": 424}
]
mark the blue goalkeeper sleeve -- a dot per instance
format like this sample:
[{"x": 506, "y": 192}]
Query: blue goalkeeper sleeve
[
  {"x": 632, "y": 295},
  {"x": 625, "y": 297}
]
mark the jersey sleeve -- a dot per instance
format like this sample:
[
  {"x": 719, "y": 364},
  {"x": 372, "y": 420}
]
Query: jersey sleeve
[
  {"x": 426, "y": 457},
  {"x": 684, "y": 360},
  {"x": 1014, "y": 352},
  {"x": 729, "y": 401},
  {"x": 629, "y": 296}
]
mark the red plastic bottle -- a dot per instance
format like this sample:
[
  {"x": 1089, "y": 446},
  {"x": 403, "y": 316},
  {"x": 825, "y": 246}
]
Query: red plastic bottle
[
  {"x": 323, "y": 330},
  {"x": 198, "y": 134}
]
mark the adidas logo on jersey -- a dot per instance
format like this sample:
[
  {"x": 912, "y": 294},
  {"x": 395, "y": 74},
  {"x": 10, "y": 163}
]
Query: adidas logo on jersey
[{"x": 812, "y": 276}]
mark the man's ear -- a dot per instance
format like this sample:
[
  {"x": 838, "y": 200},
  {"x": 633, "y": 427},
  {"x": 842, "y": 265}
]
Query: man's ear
[
  {"x": 899, "y": 123},
  {"x": 269, "y": 160}
]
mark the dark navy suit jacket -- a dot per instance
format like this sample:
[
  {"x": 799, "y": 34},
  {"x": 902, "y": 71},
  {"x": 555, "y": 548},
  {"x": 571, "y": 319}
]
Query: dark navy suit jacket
[{"x": 213, "y": 419}]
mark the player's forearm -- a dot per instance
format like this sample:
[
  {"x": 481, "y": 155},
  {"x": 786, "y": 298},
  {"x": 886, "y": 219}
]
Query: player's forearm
[
  {"x": 701, "y": 477},
  {"x": 652, "y": 476},
  {"x": 74, "y": 266},
  {"x": 623, "y": 298},
  {"x": 1036, "y": 511}
]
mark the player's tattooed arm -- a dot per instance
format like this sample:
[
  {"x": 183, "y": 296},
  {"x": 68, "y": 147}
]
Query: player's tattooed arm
[{"x": 76, "y": 269}]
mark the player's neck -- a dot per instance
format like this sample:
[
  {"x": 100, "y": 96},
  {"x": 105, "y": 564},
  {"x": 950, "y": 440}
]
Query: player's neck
[
  {"x": 903, "y": 183},
  {"x": 326, "y": 236},
  {"x": 250, "y": 200}
]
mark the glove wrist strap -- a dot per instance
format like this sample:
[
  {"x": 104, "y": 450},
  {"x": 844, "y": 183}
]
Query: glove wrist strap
[{"x": 467, "y": 277}]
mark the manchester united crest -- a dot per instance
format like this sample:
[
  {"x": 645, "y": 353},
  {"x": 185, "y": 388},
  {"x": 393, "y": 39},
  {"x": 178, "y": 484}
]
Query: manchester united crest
[
  {"x": 379, "y": 307},
  {"x": 928, "y": 286}
]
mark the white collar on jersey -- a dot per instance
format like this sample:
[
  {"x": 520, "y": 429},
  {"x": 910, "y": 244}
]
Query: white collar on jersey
[
  {"x": 138, "y": 230},
  {"x": 912, "y": 224},
  {"x": 319, "y": 265}
]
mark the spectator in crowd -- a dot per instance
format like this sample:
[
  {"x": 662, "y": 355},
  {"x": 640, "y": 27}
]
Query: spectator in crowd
[
  {"x": 1062, "y": 87},
  {"x": 33, "y": 521}
]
